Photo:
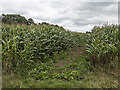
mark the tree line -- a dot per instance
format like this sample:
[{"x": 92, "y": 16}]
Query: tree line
[{"x": 18, "y": 19}]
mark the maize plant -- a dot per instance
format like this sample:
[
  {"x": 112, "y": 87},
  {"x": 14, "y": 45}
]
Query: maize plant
[
  {"x": 25, "y": 44},
  {"x": 103, "y": 43}
]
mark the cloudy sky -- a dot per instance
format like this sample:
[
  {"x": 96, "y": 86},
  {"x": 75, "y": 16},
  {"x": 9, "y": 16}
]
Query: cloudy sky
[{"x": 75, "y": 15}]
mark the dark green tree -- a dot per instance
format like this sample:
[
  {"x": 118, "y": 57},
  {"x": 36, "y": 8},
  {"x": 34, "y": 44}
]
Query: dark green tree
[
  {"x": 45, "y": 23},
  {"x": 13, "y": 19},
  {"x": 30, "y": 21}
]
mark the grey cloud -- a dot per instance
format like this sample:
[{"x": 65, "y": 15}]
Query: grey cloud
[
  {"x": 80, "y": 23},
  {"x": 95, "y": 5},
  {"x": 61, "y": 12},
  {"x": 39, "y": 17},
  {"x": 13, "y": 8},
  {"x": 93, "y": 9},
  {"x": 58, "y": 20}
]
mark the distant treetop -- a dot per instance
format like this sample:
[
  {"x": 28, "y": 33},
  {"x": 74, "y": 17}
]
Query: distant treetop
[{"x": 16, "y": 19}]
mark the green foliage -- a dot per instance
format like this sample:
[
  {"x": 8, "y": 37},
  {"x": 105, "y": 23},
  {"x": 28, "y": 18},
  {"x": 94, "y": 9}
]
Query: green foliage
[
  {"x": 28, "y": 44},
  {"x": 103, "y": 43},
  {"x": 30, "y": 21},
  {"x": 13, "y": 19},
  {"x": 26, "y": 49},
  {"x": 101, "y": 78},
  {"x": 74, "y": 71}
]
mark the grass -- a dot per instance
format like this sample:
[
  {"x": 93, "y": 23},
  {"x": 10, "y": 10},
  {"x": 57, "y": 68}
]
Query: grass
[
  {"x": 100, "y": 78},
  {"x": 70, "y": 69},
  {"x": 97, "y": 79}
]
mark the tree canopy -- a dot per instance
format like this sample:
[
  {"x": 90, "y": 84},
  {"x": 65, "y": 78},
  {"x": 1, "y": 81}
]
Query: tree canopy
[{"x": 16, "y": 19}]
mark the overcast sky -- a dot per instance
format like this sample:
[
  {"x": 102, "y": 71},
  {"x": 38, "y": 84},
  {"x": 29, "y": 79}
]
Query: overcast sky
[{"x": 75, "y": 15}]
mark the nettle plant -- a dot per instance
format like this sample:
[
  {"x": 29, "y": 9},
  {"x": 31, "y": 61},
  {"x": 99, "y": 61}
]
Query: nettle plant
[{"x": 103, "y": 43}]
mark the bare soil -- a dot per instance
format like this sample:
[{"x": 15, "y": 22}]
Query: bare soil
[{"x": 73, "y": 54}]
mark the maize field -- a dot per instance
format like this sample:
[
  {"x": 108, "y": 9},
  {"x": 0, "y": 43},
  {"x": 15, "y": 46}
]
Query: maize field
[
  {"x": 29, "y": 51},
  {"x": 26, "y": 44},
  {"x": 103, "y": 44}
]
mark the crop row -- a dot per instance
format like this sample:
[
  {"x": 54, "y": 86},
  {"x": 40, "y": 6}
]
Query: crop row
[
  {"x": 103, "y": 44},
  {"x": 28, "y": 44}
]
